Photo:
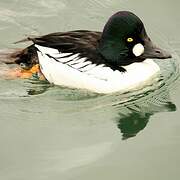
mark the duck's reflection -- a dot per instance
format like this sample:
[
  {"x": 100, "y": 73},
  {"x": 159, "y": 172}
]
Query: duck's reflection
[
  {"x": 131, "y": 124},
  {"x": 37, "y": 87},
  {"x": 133, "y": 118}
]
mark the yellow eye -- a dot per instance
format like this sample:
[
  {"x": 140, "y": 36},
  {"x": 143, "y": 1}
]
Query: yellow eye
[{"x": 129, "y": 39}]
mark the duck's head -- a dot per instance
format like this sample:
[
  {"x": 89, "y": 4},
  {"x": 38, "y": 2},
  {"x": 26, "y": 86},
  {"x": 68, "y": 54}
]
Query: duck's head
[{"x": 124, "y": 40}]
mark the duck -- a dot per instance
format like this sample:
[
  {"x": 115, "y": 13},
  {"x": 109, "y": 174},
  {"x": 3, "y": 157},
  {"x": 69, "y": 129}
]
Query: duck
[{"x": 118, "y": 59}]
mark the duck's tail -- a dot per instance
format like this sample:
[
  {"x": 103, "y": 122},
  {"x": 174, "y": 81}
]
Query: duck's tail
[{"x": 26, "y": 57}]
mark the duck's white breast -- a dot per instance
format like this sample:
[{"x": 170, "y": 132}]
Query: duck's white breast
[{"x": 70, "y": 70}]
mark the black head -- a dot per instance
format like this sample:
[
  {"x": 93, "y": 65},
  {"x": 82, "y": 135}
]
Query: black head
[{"x": 124, "y": 41}]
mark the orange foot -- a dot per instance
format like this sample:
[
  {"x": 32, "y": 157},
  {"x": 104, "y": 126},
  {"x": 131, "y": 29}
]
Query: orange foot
[{"x": 25, "y": 74}]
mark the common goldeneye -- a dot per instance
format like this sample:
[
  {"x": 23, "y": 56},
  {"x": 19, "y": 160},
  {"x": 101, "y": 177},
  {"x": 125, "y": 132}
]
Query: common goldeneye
[{"x": 117, "y": 59}]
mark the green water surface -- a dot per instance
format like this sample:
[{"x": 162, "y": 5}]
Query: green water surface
[{"x": 55, "y": 133}]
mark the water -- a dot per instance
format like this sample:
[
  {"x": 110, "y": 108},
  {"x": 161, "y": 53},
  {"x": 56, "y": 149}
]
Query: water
[{"x": 49, "y": 132}]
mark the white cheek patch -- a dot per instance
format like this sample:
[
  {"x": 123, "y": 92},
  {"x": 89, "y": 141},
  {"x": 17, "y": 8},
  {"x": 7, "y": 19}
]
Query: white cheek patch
[{"x": 138, "y": 49}]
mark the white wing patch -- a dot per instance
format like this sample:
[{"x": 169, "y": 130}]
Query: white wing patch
[
  {"x": 74, "y": 61},
  {"x": 71, "y": 70},
  {"x": 66, "y": 59}
]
